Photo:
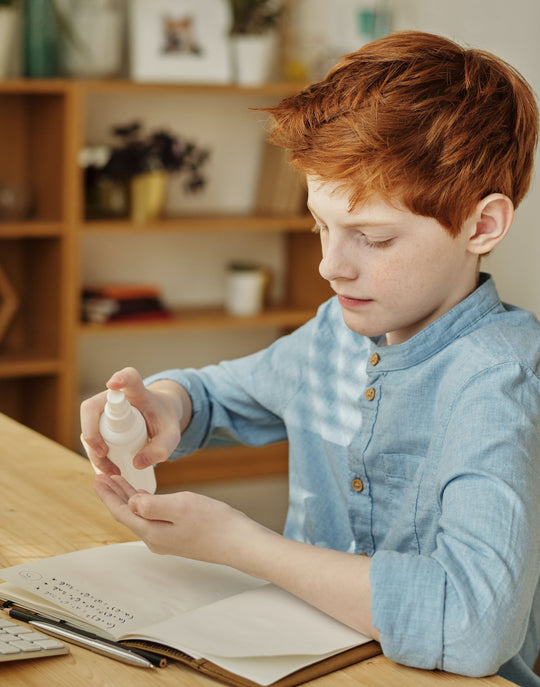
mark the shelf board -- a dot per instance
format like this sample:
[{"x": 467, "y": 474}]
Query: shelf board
[
  {"x": 90, "y": 86},
  {"x": 23, "y": 366},
  {"x": 30, "y": 229},
  {"x": 206, "y": 223},
  {"x": 127, "y": 86},
  {"x": 208, "y": 318},
  {"x": 34, "y": 86}
]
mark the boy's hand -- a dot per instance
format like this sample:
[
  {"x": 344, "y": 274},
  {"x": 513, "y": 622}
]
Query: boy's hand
[
  {"x": 201, "y": 528},
  {"x": 182, "y": 524},
  {"x": 166, "y": 408}
]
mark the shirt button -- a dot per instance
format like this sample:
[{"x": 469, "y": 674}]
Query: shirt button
[
  {"x": 370, "y": 393},
  {"x": 374, "y": 358},
  {"x": 357, "y": 484}
]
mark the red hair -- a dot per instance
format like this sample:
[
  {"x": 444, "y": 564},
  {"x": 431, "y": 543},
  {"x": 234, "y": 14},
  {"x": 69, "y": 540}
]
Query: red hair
[{"x": 416, "y": 117}]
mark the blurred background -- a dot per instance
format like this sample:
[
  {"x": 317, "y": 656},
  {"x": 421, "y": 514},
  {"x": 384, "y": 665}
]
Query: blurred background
[{"x": 122, "y": 73}]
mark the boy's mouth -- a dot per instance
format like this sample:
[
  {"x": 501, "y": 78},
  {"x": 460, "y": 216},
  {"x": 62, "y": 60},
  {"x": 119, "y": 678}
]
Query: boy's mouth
[{"x": 350, "y": 302}]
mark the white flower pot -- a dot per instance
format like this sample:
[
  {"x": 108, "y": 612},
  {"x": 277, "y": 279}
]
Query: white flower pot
[{"x": 254, "y": 57}]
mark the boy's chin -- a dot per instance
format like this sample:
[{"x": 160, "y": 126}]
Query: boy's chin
[{"x": 361, "y": 328}]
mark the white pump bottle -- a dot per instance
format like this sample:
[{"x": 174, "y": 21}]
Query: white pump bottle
[{"x": 124, "y": 430}]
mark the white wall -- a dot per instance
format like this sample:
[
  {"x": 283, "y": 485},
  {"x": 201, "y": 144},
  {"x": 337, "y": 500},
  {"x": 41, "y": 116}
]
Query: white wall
[{"x": 511, "y": 31}]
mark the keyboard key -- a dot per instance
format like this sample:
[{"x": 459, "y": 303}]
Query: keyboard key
[
  {"x": 22, "y": 641},
  {"x": 7, "y": 648}
]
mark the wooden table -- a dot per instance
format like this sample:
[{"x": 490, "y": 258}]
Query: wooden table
[{"x": 48, "y": 507}]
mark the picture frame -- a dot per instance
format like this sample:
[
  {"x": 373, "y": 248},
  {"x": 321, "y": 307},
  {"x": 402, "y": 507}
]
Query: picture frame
[{"x": 183, "y": 41}]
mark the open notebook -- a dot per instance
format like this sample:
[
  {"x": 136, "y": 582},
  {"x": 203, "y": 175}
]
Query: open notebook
[{"x": 216, "y": 619}]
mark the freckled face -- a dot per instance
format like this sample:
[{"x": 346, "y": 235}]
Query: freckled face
[{"x": 394, "y": 271}]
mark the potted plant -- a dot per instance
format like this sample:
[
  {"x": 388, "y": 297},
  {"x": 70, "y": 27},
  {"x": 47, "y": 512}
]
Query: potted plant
[
  {"x": 143, "y": 162},
  {"x": 254, "y": 16},
  {"x": 254, "y": 39}
]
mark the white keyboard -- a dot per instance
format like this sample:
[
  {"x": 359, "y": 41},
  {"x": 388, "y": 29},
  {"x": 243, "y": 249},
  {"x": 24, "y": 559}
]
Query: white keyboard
[{"x": 20, "y": 641}]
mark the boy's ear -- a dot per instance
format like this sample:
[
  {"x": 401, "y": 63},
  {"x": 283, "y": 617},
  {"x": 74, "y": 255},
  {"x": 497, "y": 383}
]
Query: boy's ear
[{"x": 489, "y": 223}]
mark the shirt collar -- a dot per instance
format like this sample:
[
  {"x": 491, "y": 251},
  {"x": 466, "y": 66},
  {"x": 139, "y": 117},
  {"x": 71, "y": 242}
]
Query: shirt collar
[{"x": 437, "y": 335}]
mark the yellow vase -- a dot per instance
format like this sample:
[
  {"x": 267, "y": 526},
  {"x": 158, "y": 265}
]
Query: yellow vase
[{"x": 148, "y": 196}]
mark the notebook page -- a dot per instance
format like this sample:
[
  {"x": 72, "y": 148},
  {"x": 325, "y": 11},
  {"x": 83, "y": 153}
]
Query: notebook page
[{"x": 124, "y": 587}]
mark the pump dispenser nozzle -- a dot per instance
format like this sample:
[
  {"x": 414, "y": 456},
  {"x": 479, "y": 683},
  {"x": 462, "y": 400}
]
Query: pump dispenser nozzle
[{"x": 118, "y": 411}]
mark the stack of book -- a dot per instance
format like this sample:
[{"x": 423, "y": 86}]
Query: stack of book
[
  {"x": 281, "y": 189},
  {"x": 122, "y": 303}
]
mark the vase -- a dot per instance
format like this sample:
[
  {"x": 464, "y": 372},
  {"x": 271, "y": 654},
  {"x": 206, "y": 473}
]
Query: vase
[
  {"x": 40, "y": 39},
  {"x": 147, "y": 196},
  {"x": 95, "y": 48},
  {"x": 105, "y": 198},
  {"x": 8, "y": 28},
  {"x": 254, "y": 57}
]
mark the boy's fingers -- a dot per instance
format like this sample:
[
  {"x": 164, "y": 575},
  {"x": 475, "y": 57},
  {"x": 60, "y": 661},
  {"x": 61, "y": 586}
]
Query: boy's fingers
[
  {"x": 115, "y": 493},
  {"x": 151, "y": 507},
  {"x": 130, "y": 382},
  {"x": 91, "y": 410},
  {"x": 122, "y": 486},
  {"x": 108, "y": 492},
  {"x": 155, "y": 451}
]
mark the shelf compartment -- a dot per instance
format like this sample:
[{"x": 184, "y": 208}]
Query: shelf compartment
[
  {"x": 33, "y": 267},
  {"x": 33, "y": 401},
  {"x": 33, "y": 153},
  {"x": 208, "y": 318}
]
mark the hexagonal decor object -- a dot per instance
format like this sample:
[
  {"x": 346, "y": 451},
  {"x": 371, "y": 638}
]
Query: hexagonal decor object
[{"x": 9, "y": 302}]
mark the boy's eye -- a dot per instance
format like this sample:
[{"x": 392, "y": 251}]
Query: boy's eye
[
  {"x": 318, "y": 228},
  {"x": 377, "y": 244}
]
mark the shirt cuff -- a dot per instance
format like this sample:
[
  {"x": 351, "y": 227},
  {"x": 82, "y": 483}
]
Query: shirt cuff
[
  {"x": 194, "y": 436},
  {"x": 407, "y": 608}
]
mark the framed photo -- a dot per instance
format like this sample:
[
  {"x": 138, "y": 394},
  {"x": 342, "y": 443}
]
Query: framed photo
[{"x": 180, "y": 40}]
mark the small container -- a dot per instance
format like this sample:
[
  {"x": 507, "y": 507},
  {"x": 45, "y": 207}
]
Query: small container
[
  {"x": 124, "y": 430},
  {"x": 245, "y": 289}
]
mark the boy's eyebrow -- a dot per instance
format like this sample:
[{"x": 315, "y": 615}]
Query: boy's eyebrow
[
  {"x": 375, "y": 224},
  {"x": 358, "y": 224}
]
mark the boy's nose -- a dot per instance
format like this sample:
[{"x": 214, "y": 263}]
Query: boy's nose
[{"x": 337, "y": 263}]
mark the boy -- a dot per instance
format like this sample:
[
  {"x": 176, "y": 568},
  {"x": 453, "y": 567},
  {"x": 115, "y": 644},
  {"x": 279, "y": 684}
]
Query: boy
[{"x": 411, "y": 402}]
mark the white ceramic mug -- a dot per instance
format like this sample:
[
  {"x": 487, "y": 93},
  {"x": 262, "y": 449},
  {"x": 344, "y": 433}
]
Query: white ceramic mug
[{"x": 244, "y": 292}]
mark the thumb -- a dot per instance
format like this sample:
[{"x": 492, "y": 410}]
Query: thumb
[
  {"x": 130, "y": 382},
  {"x": 150, "y": 507}
]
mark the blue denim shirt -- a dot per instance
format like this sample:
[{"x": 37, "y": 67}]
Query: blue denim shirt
[{"x": 423, "y": 455}]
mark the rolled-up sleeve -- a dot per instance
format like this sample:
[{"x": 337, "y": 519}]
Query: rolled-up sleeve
[
  {"x": 408, "y": 595},
  {"x": 242, "y": 400}
]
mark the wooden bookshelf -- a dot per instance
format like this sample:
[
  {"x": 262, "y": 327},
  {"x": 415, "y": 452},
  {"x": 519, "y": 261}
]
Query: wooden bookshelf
[{"x": 44, "y": 124}]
